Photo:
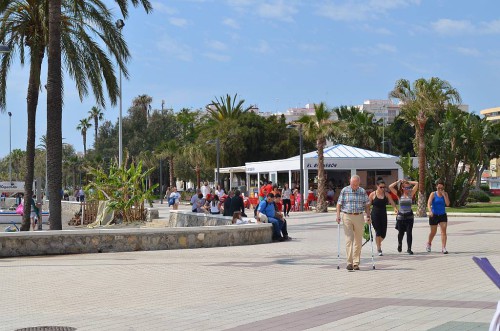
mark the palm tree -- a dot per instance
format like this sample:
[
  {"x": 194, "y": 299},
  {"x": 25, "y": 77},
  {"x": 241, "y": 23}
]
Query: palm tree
[
  {"x": 169, "y": 151},
  {"x": 195, "y": 154},
  {"x": 320, "y": 127},
  {"x": 23, "y": 23},
  {"x": 86, "y": 62},
  {"x": 97, "y": 115},
  {"x": 362, "y": 130},
  {"x": 143, "y": 102},
  {"x": 82, "y": 127},
  {"x": 222, "y": 109},
  {"x": 422, "y": 100}
]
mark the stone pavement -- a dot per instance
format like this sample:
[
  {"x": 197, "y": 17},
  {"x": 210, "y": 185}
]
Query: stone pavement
[{"x": 293, "y": 285}]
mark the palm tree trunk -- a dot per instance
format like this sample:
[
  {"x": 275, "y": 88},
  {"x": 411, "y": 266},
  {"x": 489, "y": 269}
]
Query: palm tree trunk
[
  {"x": 32, "y": 102},
  {"x": 54, "y": 115},
  {"x": 96, "y": 124},
  {"x": 84, "y": 135},
  {"x": 421, "y": 205},
  {"x": 198, "y": 176},
  {"x": 171, "y": 171},
  {"x": 321, "y": 204}
]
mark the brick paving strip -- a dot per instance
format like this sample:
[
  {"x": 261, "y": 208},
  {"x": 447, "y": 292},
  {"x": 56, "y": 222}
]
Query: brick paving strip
[{"x": 328, "y": 313}]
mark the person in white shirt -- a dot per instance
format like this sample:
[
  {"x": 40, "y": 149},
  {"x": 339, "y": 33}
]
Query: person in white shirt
[
  {"x": 214, "y": 206},
  {"x": 205, "y": 190},
  {"x": 176, "y": 196}
]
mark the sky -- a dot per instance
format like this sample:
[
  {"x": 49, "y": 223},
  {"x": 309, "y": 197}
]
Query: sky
[{"x": 279, "y": 54}]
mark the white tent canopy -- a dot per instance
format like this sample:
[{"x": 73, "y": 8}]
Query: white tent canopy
[{"x": 338, "y": 158}]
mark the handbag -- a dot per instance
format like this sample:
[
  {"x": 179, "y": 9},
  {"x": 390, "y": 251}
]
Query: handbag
[
  {"x": 19, "y": 209},
  {"x": 171, "y": 201}
]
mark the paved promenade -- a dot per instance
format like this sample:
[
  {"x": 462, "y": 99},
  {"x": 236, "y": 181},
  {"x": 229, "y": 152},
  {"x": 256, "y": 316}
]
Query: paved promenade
[{"x": 281, "y": 286}]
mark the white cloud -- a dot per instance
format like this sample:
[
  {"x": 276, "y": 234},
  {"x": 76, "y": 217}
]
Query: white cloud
[
  {"x": 468, "y": 51},
  {"x": 161, "y": 8},
  {"x": 217, "y": 45},
  {"x": 359, "y": 11},
  {"x": 263, "y": 47},
  {"x": 307, "y": 47},
  {"x": 231, "y": 23},
  {"x": 177, "y": 21},
  {"x": 446, "y": 26},
  {"x": 217, "y": 57},
  {"x": 387, "y": 48},
  {"x": 174, "y": 48},
  {"x": 278, "y": 9}
]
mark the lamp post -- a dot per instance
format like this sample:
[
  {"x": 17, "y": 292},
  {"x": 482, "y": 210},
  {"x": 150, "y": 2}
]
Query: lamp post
[
  {"x": 10, "y": 147},
  {"x": 120, "y": 24},
  {"x": 301, "y": 156}
]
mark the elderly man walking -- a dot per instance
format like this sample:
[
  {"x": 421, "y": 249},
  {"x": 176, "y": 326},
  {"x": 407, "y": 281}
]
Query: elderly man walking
[{"x": 352, "y": 202}]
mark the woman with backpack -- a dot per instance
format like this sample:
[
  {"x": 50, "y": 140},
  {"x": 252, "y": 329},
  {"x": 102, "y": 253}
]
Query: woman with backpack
[
  {"x": 405, "y": 217},
  {"x": 174, "y": 198},
  {"x": 438, "y": 200}
]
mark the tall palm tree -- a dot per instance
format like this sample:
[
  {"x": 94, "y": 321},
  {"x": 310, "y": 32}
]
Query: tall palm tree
[
  {"x": 169, "y": 151},
  {"x": 83, "y": 127},
  {"x": 97, "y": 115},
  {"x": 86, "y": 62},
  {"x": 222, "y": 109},
  {"x": 320, "y": 127},
  {"x": 422, "y": 100},
  {"x": 23, "y": 25},
  {"x": 143, "y": 102},
  {"x": 197, "y": 158}
]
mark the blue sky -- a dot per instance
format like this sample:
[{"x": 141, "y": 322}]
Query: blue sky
[{"x": 279, "y": 54}]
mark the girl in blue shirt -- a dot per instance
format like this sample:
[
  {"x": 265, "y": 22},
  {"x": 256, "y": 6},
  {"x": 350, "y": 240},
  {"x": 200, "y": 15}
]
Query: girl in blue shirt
[{"x": 436, "y": 205}]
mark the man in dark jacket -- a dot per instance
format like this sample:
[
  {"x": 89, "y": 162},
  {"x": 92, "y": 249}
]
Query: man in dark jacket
[
  {"x": 227, "y": 204},
  {"x": 237, "y": 203}
]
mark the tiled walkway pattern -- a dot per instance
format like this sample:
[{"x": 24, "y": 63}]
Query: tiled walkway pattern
[{"x": 283, "y": 286}]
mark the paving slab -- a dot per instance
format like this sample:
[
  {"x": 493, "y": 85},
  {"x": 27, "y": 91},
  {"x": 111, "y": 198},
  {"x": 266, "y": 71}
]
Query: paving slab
[{"x": 292, "y": 285}]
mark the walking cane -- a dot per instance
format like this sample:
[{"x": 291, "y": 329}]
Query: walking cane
[{"x": 371, "y": 240}]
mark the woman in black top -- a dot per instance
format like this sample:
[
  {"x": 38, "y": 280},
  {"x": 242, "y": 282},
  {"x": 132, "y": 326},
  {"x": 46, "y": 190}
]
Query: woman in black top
[
  {"x": 237, "y": 204},
  {"x": 379, "y": 199}
]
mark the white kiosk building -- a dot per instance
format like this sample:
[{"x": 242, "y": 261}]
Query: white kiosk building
[{"x": 341, "y": 162}]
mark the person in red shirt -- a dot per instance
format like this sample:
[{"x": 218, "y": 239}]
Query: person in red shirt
[{"x": 265, "y": 190}]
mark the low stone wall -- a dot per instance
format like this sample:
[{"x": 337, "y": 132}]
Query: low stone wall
[
  {"x": 68, "y": 210},
  {"x": 184, "y": 218},
  {"x": 125, "y": 240}
]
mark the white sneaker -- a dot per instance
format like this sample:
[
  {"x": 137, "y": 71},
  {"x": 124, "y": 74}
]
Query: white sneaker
[
  {"x": 428, "y": 248},
  {"x": 445, "y": 251},
  {"x": 380, "y": 253}
]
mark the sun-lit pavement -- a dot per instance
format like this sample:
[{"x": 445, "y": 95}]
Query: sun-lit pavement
[{"x": 281, "y": 286}]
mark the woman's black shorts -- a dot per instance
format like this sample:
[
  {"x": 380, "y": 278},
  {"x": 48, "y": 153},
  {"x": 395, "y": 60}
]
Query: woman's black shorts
[{"x": 436, "y": 219}]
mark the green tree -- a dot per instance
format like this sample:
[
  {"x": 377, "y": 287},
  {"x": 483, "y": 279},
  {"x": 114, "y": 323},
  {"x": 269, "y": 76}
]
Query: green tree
[
  {"x": 223, "y": 109},
  {"x": 83, "y": 126},
  {"x": 23, "y": 25},
  {"x": 87, "y": 62},
  {"x": 169, "y": 150},
  {"x": 96, "y": 114},
  {"x": 143, "y": 102},
  {"x": 361, "y": 129},
  {"x": 422, "y": 100},
  {"x": 320, "y": 127}
]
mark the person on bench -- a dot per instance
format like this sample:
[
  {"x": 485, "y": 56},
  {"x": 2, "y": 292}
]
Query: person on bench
[{"x": 266, "y": 207}]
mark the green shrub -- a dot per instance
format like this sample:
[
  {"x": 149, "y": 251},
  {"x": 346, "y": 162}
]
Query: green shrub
[
  {"x": 478, "y": 196},
  {"x": 485, "y": 188}
]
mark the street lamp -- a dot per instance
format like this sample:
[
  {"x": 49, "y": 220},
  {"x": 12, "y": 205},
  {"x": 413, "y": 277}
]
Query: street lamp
[
  {"x": 10, "y": 147},
  {"x": 217, "y": 146},
  {"x": 161, "y": 180},
  {"x": 120, "y": 24},
  {"x": 301, "y": 186}
]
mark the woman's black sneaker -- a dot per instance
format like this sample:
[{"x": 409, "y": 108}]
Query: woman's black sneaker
[{"x": 400, "y": 248}]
